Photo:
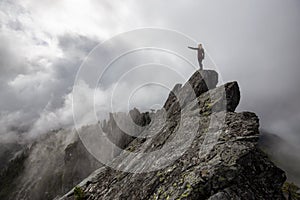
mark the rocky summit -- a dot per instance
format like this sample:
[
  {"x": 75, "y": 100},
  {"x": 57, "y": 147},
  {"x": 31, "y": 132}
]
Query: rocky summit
[{"x": 195, "y": 147}]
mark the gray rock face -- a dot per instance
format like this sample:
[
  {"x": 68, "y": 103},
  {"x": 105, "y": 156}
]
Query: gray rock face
[
  {"x": 200, "y": 82},
  {"x": 206, "y": 149}
]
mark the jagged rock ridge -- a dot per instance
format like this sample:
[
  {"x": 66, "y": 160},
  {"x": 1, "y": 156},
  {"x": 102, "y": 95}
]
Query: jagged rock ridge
[
  {"x": 222, "y": 160},
  {"x": 54, "y": 163}
]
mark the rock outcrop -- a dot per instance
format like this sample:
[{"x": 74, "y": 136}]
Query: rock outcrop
[{"x": 196, "y": 147}]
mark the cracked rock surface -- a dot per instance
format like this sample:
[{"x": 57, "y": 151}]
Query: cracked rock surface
[{"x": 196, "y": 147}]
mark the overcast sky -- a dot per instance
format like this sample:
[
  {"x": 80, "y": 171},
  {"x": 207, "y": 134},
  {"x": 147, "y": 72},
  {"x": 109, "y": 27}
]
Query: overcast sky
[{"x": 43, "y": 43}]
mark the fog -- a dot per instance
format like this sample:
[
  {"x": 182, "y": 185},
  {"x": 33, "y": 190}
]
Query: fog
[{"x": 44, "y": 43}]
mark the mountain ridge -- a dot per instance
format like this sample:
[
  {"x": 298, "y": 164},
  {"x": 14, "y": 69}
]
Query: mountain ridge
[{"x": 222, "y": 162}]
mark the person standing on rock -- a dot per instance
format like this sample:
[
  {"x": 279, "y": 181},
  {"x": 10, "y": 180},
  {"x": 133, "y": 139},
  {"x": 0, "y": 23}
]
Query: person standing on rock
[{"x": 200, "y": 54}]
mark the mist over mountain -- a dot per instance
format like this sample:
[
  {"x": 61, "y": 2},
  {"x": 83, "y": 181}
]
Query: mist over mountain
[
  {"x": 55, "y": 162},
  {"x": 283, "y": 153},
  {"x": 46, "y": 109},
  {"x": 220, "y": 155},
  {"x": 42, "y": 50},
  {"x": 199, "y": 149}
]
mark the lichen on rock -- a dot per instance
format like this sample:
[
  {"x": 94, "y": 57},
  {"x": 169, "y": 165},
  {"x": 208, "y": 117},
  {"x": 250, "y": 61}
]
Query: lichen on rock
[{"x": 220, "y": 160}]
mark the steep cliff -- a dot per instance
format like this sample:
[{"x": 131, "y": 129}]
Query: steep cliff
[{"x": 195, "y": 147}]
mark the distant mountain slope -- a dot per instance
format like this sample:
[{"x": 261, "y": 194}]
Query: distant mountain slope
[
  {"x": 7, "y": 152},
  {"x": 55, "y": 162},
  {"x": 283, "y": 153},
  {"x": 49, "y": 166}
]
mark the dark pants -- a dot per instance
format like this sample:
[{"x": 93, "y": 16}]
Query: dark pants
[{"x": 200, "y": 63}]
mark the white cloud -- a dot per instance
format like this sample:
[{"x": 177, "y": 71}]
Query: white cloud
[
  {"x": 88, "y": 18},
  {"x": 50, "y": 119},
  {"x": 44, "y": 42}
]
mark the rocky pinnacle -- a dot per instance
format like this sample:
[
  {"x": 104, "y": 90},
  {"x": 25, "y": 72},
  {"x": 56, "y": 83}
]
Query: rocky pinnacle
[{"x": 220, "y": 160}]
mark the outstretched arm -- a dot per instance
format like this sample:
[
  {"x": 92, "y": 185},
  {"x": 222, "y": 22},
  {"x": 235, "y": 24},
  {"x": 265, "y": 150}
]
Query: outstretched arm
[{"x": 193, "y": 48}]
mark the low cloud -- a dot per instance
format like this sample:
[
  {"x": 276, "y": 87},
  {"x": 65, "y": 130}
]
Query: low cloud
[{"x": 43, "y": 45}]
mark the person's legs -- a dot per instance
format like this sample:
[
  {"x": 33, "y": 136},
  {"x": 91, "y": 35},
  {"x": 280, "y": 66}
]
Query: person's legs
[{"x": 200, "y": 63}]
